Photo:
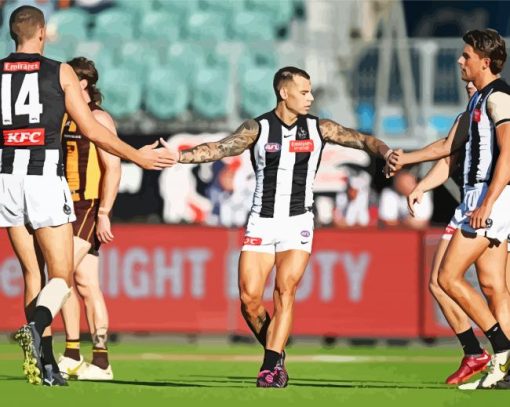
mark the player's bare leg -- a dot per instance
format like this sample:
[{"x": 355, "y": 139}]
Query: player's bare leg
[
  {"x": 290, "y": 267},
  {"x": 72, "y": 362},
  {"x": 461, "y": 252},
  {"x": 32, "y": 263},
  {"x": 87, "y": 285},
  {"x": 254, "y": 268},
  {"x": 475, "y": 358}
]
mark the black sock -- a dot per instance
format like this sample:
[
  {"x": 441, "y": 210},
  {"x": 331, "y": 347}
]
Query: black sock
[
  {"x": 270, "y": 360},
  {"x": 47, "y": 352},
  {"x": 469, "y": 342},
  {"x": 42, "y": 318},
  {"x": 498, "y": 339},
  {"x": 262, "y": 334}
]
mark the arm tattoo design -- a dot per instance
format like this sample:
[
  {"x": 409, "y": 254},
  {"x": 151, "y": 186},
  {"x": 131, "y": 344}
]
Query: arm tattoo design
[
  {"x": 344, "y": 136},
  {"x": 234, "y": 144}
]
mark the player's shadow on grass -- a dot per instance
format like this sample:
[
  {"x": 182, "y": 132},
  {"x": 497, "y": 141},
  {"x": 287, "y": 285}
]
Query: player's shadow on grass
[
  {"x": 12, "y": 378},
  {"x": 331, "y": 383},
  {"x": 150, "y": 384}
]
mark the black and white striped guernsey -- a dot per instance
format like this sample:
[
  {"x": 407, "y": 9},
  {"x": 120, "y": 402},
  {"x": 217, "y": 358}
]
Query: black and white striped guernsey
[
  {"x": 285, "y": 160},
  {"x": 488, "y": 108},
  {"x": 32, "y": 107}
]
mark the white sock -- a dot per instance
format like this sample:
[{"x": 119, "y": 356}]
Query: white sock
[{"x": 53, "y": 295}]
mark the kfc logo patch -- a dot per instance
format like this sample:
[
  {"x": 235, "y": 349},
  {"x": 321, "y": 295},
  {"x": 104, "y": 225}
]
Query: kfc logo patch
[
  {"x": 24, "y": 137},
  {"x": 252, "y": 241},
  {"x": 301, "y": 146},
  {"x": 273, "y": 147}
]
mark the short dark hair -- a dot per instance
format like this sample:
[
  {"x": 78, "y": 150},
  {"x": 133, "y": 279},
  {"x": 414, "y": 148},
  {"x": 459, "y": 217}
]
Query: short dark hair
[
  {"x": 489, "y": 44},
  {"x": 284, "y": 75},
  {"x": 24, "y": 22},
  {"x": 86, "y": 69}
]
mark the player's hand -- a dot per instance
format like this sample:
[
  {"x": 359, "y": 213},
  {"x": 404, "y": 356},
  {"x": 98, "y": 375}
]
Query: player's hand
[
  {"x": 171, "y": 151},
  {"x": 153, "y": 158},
  {"x": 396, "y": 160},
  {"x": 478, "y": 218},
  {"x": 104, "y": 228},
  {"x": 414, "y": 198}
]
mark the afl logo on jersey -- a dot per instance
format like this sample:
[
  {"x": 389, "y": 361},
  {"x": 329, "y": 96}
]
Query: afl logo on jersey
[{"x": 273, "y": 147}]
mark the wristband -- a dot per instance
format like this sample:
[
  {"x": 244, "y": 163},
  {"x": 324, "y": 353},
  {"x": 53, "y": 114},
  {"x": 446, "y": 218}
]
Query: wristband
[{"x": 103, "y": 211}]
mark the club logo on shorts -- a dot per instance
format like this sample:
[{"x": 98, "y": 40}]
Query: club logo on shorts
[
  {"x": 252, "y": 241},
  {"x": 24, "y": 137},
  {"x": 67, "y": 209},
  {"x": 273, "y": 147},
  {"x": 301, "y": 146},
  {"x": 305, "y": 233}
]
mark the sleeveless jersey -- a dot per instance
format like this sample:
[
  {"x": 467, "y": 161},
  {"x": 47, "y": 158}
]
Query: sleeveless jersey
[
  {"x": 32, "y": 107},
  {"x": 488, "y": 108},
  {"x": 285, "y": 160},
  {"x": 82, "y": 169}
]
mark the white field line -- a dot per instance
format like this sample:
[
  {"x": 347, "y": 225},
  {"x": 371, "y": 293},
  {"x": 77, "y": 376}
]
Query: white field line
[{"x": 256, "y": 358}]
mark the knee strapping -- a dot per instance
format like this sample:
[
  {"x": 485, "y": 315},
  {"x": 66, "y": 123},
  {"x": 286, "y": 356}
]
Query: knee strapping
[{"x": 53, "y": 295}]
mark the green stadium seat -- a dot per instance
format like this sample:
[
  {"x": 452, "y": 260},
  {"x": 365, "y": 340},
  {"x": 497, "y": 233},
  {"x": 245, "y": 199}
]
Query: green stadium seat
[
  {"x": 121, "y": 90},
  {"x": 69, "y": 23},
  {"x": 60, "y": 51},
  {"x": 180, "y": 8},
  {"x": 186, "y": 59},
  {"x": 228, "y": 7},
  {"x": 140, "y": 57},
  {"x": 160, "y": 26},
  {"x": 167, "y": 94},
  {"x": 282, "y": 10},
  {"x": 210, "y": 91},
  {"x": 253, "y": 26},
  {"x": 257, "y": 96},
  {"x": 136, "y": 7},
  {"x": 206, "y": 26},
  {"x": 114, "y": 24}
]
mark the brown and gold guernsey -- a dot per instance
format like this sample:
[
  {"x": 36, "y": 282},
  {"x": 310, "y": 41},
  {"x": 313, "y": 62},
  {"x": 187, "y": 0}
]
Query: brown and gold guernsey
[{"x": 82, "y": 168}]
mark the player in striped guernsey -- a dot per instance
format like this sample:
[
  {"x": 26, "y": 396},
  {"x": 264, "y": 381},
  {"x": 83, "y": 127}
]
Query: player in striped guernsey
[
  {"x": 35, "y": 92},
  {"x": 483, "y": 213},
  {"x": 285, "y": 146}
]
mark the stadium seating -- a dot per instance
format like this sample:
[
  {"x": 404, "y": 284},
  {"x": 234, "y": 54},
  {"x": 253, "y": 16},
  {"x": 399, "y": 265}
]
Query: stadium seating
[
  {"x": 135, "y": 7},
  {"x": 69, "y": 23},
  {"x": 282, "y": 10},
  {"x": 252, "y": 25},
  {"x": 114, "y": 25},
  {"x": 181, "y": 8},
  {"x": 122, "y": 91},
  {"x": 140, "y": 57},
  {"x": 187, "y": 58},
  {"x": 160, "y": 26},
  {"x": 210, "y": 91},
  {"x": 257, "y": 95},
  {"x": 167, "y": 94},
  {"x": 206, "y": 26}
]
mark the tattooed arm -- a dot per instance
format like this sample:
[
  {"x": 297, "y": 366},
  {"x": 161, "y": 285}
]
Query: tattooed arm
[
  {"x": 235, "y": 144},
  {"x": 333, "y": 132}
]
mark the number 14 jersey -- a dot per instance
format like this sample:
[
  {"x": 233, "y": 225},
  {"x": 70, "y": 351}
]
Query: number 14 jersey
[{"x": 32, "y": 108}]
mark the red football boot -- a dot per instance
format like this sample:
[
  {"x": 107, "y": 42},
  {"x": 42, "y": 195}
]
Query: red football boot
[{"x": 469, "y": 366}]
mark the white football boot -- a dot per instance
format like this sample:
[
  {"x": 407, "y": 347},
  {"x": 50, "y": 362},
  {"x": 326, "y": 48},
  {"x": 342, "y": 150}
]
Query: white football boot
[
  {"x": 93, "y": 372},
  {"x": 498, "y": 368},
  {"x": 70, "y": 368}
]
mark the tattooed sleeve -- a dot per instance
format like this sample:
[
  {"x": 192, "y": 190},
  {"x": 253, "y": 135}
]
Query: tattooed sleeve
[{"x": 235, "y": 144}]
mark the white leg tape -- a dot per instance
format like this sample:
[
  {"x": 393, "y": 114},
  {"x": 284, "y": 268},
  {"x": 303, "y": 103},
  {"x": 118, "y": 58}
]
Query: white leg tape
[{"x": 53, "y": 295}]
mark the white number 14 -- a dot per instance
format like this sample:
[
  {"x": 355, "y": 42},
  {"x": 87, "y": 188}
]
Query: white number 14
[{"x": 29, "y": 89}]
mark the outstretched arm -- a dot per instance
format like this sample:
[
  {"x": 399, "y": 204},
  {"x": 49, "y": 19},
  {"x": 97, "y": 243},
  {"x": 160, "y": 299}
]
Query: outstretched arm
[
  {"x": 438, "y": 149},
  {"x": 242, "y": 139},
  {"x": 335, "y": 133}
]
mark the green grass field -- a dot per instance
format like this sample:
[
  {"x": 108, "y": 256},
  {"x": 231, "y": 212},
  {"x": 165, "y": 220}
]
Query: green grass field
[{"x": 147, "y": 374}]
